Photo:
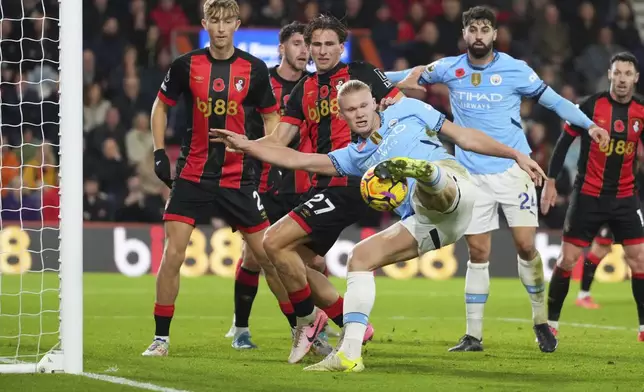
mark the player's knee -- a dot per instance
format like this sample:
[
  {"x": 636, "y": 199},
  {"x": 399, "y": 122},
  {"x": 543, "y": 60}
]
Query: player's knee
[
  {"x": 361, "y": 259},
  {"x": 479, "y": 252},
  {"x": 173, "y": 256},
  {"x": 634, "y": 255},
  {"x": 526, "y": 249},
  {"x": 271, "y": 242},
  {"x": 569, "y": 256}
]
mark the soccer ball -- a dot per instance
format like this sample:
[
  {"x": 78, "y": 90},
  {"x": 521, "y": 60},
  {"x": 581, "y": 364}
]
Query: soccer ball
[{"x": 382, "y": 195}]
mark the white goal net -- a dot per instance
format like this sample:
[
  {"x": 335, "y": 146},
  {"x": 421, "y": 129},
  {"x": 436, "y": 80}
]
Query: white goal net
[{"x": 40, "y": 186}]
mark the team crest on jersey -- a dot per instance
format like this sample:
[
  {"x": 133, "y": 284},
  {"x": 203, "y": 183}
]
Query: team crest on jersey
[
  {"x": 218, "y": 85},
  {"x": 637, "y": 124},
  {"x": 240, "y": 83},
  {"x": 324, "y": 91},
  {"x": 339, "y": 84},
  {"x": 496, "y": 79},
  {"x": 618, "y": 126},
  {"x": 476, "y": 79}
]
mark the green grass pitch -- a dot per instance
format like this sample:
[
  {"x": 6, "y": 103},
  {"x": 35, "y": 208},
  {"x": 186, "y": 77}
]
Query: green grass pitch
[{"x": 416, "y": 321}]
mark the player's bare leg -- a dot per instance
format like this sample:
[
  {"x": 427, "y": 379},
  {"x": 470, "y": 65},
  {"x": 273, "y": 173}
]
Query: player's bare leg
[
  {"x": 441, "y": 192},
  {"x": 255, "y": 250},
  {"x": 318, "y": 263},
  {"x": 598, "y": 250},
  {"x": 560, "y": 282},
  {"x": 530, "y": 267},
  {"x": 325, "y": 295},
  {"x": 634, "y": 257},
  {"x": 387, "y": 247},
  {"x": 282, "y": 243},
  {"x": 177, "y": 236}
]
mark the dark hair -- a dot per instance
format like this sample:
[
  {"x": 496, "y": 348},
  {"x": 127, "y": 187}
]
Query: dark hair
[
  {"x": 626, "y": 57},
  {"x": 325, "y": 22},
  {"x": 291, "y": 29},
  {"x": 479, "y": 13}
]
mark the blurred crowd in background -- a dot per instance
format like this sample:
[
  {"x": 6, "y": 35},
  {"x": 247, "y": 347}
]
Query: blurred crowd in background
[{"x": 128, "y": 49}]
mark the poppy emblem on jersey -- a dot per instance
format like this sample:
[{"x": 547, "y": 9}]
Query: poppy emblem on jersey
[
  {"x": 636, "y": 124},
  {"x": 476, "y": 79},
  {"x": 496, "y": 79},
  {"x": 618, "y": 126},
  {"x": 285, "y": 99},
  {"x": 218, "y": 85},
  {"x": 459, "y": 73},
  {"x": 240, "y": 83},
  {"x": 324, "y": 91},
  {"x": 362, "y": 145}
]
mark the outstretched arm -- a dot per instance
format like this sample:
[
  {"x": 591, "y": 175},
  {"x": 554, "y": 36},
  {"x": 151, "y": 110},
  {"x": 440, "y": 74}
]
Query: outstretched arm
[
  {"x": 280, "y": 135},
  {"x": 474, "y": 140},
  {"x": 564, "y": 108},
  {"x": 278, "y": 155}
]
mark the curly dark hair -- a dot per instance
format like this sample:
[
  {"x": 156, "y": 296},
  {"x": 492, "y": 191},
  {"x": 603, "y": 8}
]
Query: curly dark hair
[
  {"x": 290, "y": 29},
  {"x": 479, "y": 13}
]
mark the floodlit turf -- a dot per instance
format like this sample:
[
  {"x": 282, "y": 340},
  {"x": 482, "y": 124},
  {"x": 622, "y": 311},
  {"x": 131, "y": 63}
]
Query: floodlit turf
[{"x": 415, "y": 320}]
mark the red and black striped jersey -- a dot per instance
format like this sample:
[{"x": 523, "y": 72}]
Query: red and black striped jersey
[
  {"x": 284, "y": 181},
  {"x": 229, "y": 94},
  {"x": 314, "y": 101},
  {"x": 609, "y": 171}
]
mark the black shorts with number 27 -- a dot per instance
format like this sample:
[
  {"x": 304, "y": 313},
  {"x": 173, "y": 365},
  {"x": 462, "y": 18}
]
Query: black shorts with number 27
[
  {"x": 588, "y": 215},
  {"x": 191, "y": 202},
  {"x": 327, "y": 213}
]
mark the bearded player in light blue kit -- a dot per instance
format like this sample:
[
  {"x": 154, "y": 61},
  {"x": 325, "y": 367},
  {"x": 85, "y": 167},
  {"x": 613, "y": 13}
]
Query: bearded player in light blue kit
[
  {"x": 486, "y": 88},
  {"x": 400, "y": 142}
]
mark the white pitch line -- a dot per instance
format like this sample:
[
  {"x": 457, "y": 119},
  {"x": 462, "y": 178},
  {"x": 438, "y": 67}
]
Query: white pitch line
[
  {"x": 112, "y": 379},
  {"x": 130, "y": 383},
  {"x": 503, "y": 319}
]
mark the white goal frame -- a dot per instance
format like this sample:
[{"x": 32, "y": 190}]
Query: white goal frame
[{"x": 68, "y": 356}]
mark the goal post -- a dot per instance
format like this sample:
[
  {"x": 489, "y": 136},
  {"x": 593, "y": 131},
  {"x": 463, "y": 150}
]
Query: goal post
[
  {"x": 41, "y": 263},
  {"x": 71, "y": 185}
]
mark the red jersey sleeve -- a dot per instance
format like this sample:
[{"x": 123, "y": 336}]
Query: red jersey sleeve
[{"x": 294, "y": 114}]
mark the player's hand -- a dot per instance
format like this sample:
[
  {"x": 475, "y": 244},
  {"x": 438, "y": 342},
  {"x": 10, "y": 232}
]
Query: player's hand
[
  {"x": 385, "y": 103},
  {"x": 548, "y": 195},
  {"x": 411, "y": 81},
  {"x": 234, "y": 141},
  {"x": 532, "y": 168},
  {"x": 599, "y": 135},
  {"x": 162, "y": 167}
]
